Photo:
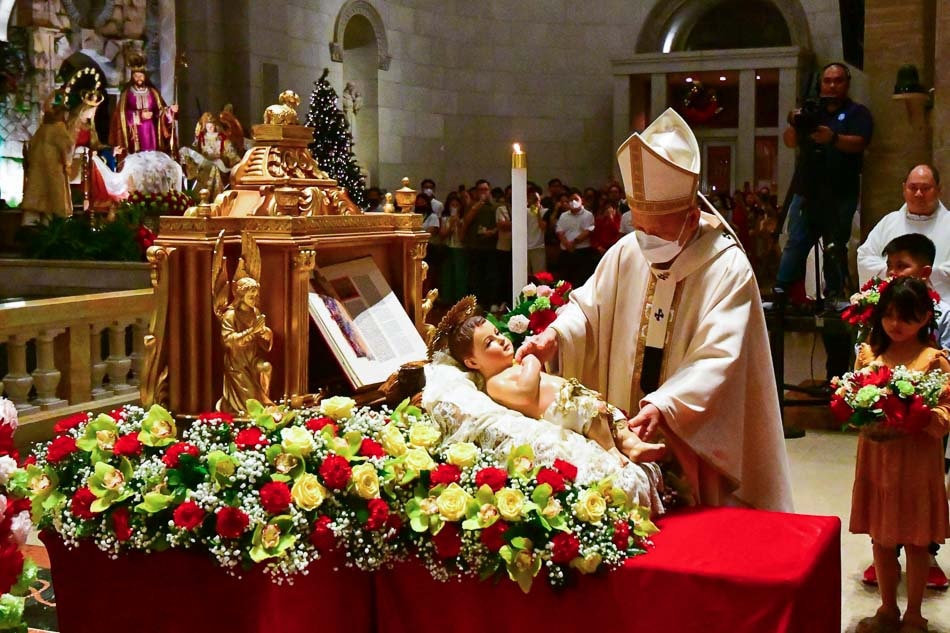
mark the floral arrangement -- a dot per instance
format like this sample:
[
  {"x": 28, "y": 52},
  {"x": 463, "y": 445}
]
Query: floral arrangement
[
  {"x": 285, "y": 486},
  {"x": 535, "y": 309},
  {"x": 885, "y": 403},
  {"x": 863, "y": 302},
  {"x": 17, "y": 573}
]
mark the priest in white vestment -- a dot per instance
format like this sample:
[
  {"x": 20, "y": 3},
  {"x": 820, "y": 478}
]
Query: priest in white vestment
[
  {"x": 681, "y": 343},
  {"x": 922, "y": 213}
]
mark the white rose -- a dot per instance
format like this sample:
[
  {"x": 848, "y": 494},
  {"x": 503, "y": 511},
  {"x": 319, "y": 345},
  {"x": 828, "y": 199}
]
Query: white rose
[
  {"x": 21, "y": 526},
  {"x": 530, "y": 290},
  {"x": 8, "y": 414},
  {"x": 518, "y": 324},
  {"x": 7, "y": 468}
]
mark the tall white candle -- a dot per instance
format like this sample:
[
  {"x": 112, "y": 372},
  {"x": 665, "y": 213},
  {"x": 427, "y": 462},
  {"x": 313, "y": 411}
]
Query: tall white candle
[{"x": 519, "y": 222}]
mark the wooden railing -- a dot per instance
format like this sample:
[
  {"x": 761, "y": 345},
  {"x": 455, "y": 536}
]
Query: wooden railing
[{"x": 71, "y": 354}]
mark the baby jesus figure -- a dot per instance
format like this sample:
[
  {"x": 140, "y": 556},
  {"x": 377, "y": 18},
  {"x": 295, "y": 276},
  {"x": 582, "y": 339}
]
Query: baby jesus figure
[{"x": 474, "y": 342}]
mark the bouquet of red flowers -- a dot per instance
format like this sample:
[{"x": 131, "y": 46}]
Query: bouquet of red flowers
[
  {"x": 535, "y": 310},
  {"x": 884, "y": 403}
]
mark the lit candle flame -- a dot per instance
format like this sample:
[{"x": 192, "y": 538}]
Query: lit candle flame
[{"x": 517, "y": 147}]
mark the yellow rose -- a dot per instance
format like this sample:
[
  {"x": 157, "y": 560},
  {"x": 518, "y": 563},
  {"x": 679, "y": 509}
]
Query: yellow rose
[
  {"x": 297, "y": 440},
  {"x": 337, "y": 407},
  {"x": 510, "y": 503},
  {"x": 366, "y": 481},
  {"x": 590, "y": 506},
  {"x": 308, "y": 493},
  {"x": 452, "y": 502},
  {"x": 462, "y": 454},
  {"x": 588, "y": 564},
  {"x": 419, "y": 459},
  {"x": 392, "y": 440},
  {"x": 423, "y": 435}
]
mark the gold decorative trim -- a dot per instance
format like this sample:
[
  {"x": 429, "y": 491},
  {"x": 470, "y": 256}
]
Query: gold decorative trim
[
  {"x": 670, "y": 324},
  {"x": 154, "y": 381},
  {"x": 642, "y": 339}
]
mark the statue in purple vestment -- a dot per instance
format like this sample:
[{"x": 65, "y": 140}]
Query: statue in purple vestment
[{"x": 141, "y": 121}]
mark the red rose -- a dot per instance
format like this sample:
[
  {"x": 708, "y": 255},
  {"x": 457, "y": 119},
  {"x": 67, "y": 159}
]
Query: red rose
[
  {"x": 231, "y": 522},
  {"x": 557, "y": 300},
  {"x": 79, "y": 504},
  {"x": 120, "y": 523},
  {"x": 322, "y": 536},
  {"x": 378, "y": 514},
  {"x": 250, "y": 438},
  {"x": 371, "y": 448},
  {"x": 188, "y": 516},
  {"x": 275, "y": 497},
  {"x": 567, "y": 469},
  {"x": 175, "y": 451},
  {"x": 879, "y": 376},
  {"x": 563, "y": 288},
  {"x": 447, "y": 541},
  {"x": 539, "y": 320},
  {"x": 870, "y": 283},
  {"x": 493, "y": 537},
  {"x": 216, "y": 416},
  {"x": 847, "y": 314},
  {"x": 494, "y": 478},
  {"x": 30, "y": 461},
  {"x": 445, "y": 474},
  {"x": 317, "y": 424},
  {"x": 553, "y": 478},
  {"x": 11, "y": 564},
  {"x": 71, "y": 422},
  {"x": 621, "y": 537},
  {"x": 544, "y": 278},
  {"x": 918, "y": 414},
  {"x": 565, "y": 548},
  {"x": 840, "y": 409},
  {"x": 894, "y": 410},
  {"x": 127, "y": 445},
  {"x": 335, "y": 471},
  {"x": 60, "y": 448}
]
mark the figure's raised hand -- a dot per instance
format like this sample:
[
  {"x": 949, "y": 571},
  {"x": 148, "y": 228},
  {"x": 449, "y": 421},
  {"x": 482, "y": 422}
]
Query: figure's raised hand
[
  {"x": 646, "y": 422},
  {"x": 543, "y": 345}
]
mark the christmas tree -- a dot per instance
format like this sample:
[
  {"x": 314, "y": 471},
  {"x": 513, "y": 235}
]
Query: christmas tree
[{"x": 332, "y": 145}]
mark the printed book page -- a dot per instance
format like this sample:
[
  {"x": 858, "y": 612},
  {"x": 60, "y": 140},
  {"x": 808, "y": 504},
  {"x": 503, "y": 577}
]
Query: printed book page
[{"x": 363, "y": 321}]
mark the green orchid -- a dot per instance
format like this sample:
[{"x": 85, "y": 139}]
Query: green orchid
[
  {"x": 158, "y": 428},
  {"x": 521, "y": 463},
  {"x": 99, "y": 438},
  {"x": 287, "y": 466},
  {"x": 521, "y": 561},
  {"x": 548, "y": 508},
  {"x": 481, "y": 511},
  {"x": 406, "y": 413},
  {"x": 642, "y": 525},
  {"x": 43, "y": 486},
  {"x": 269, "y": 418},
  {"x": 613, "y": 495},
  {"x": 587, "y": 564},
  {"x": 107, "y": 483},
  {"x": 221, "y": 467},
  {"x": 423, "y": 512},
  {"x": 273, "y": 538},
  {"x": 156, "y": 502}
]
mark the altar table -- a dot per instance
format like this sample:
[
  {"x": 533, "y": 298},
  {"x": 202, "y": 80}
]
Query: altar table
[{"x": 713, "y": 569}]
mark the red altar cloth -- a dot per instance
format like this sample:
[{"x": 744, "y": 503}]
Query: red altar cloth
[{"x": 713, "y": 569}]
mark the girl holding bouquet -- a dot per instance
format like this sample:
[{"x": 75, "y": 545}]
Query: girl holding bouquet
[{"x": 898, "y": 496}]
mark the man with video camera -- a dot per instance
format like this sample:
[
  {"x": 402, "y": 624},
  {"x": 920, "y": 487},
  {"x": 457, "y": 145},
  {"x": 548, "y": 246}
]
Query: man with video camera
[{"x": 831, "y": 133}]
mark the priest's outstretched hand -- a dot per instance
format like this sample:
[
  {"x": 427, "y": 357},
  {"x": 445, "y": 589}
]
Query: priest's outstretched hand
[
  {"x": 543, "y": 346},
  {"x": 646, "y": 422}
]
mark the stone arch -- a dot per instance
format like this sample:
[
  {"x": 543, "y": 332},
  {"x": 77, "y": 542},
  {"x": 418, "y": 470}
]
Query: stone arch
[
  {"x": 361, "y": 8},
  {"x": 668, "y": 24}
]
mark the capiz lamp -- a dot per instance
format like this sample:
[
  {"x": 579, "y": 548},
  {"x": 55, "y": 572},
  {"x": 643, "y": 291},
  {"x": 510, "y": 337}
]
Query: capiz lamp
[
  {"x": 916, "y": 98},
  {"x": 405, "y": 197}
]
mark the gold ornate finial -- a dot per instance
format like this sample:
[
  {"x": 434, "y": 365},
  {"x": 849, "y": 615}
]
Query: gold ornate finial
[
  {"x": 427, "y": 304},
  {"x": 406, "y": 197},
  {"x": 457, "y": 315},
  {"x": 244, "y": 333},
  {"x": 284, "y": 112},
  {"x": 389, "y": 207}
]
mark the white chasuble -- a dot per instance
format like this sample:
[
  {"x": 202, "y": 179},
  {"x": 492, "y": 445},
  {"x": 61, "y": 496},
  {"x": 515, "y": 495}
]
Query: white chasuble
[{"x": 716, "y": 382}]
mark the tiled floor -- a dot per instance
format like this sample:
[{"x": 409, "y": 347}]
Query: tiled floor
[{"x": 822, "y": 474}]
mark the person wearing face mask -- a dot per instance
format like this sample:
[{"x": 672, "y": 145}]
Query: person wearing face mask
[
  {"x": 671, "y": 329},
  {"x": 573, "y": 232},
  {"x": 428, "y": 188}
]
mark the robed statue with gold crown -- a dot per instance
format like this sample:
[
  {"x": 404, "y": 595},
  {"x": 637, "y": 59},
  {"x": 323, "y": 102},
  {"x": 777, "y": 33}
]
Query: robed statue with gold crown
[{"x": 244, "y": 332}]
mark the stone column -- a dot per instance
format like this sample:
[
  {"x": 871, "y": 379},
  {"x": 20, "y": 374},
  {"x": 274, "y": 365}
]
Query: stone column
[
  {"x": 745, "y": 139},
  {"x": 894, "y": 34},
  {"x": 787, "y": 96},
  {"x": 657, "y": 95},
  {"x": 621, "y": 112}
]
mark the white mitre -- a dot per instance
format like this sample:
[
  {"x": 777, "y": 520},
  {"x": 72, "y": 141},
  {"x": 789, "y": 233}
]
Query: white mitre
[{"x": 660, "y": 166}]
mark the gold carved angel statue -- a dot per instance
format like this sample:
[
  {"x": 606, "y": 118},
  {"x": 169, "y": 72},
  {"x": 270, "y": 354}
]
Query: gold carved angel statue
[{"x": 244, "y": 333}]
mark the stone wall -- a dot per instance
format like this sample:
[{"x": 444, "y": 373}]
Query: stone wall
[{"x": 941, "y": 112}]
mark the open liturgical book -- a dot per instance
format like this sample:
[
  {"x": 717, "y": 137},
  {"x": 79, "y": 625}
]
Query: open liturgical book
[{"x": 363, "y": 321}]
